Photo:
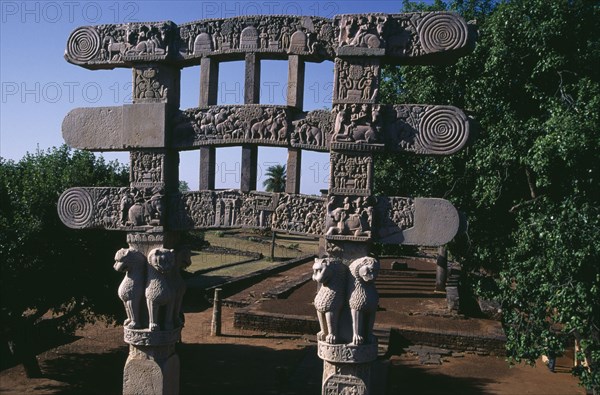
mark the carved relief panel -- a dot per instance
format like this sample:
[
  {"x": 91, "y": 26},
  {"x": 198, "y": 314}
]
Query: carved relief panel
[
  {"x": 349, "y": 217},
  {"x": 112, "y": 45},
  {"x": 350, "y": 173},
  {"x": 234, "y": 125},
  {"x": 309, "y": 36},
  {"x": 147, "y": 168},
  {"x": 357, "y": 127},
  {"x": 313, "y": 131},
  {"x": 299, "y": 214},
  {"x": 356, "y": 80}
]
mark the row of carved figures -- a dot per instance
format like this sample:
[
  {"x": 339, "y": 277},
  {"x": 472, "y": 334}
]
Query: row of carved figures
[{"x": 155, "y": 280}]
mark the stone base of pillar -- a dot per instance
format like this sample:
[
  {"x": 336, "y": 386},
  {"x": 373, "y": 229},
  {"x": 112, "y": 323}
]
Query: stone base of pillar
[
  {"x": 347, "y": 368},
  {"x": 152, "y": 367}
]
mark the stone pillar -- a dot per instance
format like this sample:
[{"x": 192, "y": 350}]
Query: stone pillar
[
  {"x": 346, "y": 305},
  {"x": 295, "y": 89},
  {"x": 294, "y": 163},
  {"x": 208, "y": 159},
  {"x": 295, "y": 98},
  {"x": 209, "y": 81},
  {"x": 346, "y": 367},
  {"x": 152, "y": 290},
  {"x": 252, "y": 79},
  {"x": 249, "y": 165}
]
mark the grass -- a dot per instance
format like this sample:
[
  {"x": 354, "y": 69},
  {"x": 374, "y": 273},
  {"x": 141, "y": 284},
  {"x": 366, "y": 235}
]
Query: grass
[
  {"x": 209, "y": 260},
  {"x": 288, "y": 246}
]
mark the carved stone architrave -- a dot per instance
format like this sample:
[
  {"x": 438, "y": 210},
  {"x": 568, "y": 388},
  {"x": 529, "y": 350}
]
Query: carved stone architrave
[
  {"x": 130, "y": 209},
  {"x": 274, "y": 35},
  {"x": 222, "y": 210},
  {"x": 350, "y": 173},
  {"x": 411, "y": 38},
  {"x": 356, "y": 80},
  {"x": 233, "y": 125},
  {"x": 424, "y": 129},
  {"x": 109, "y": 46},
  {"x": 299, "y": 214}
]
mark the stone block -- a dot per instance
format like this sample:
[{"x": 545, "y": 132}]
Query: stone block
[{"x": 116, "y": 128}]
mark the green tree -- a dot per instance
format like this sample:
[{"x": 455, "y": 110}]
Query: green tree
[
  {"x": 183, "y": 186},
  {"x": 276, "y": 177},
  {"x": 529, "y": 182},
  {"x": 54, "y": 279}
]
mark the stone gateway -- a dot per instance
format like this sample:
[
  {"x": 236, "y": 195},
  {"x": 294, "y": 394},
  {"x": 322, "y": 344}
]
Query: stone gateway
[{"x": 154, "y": 214}]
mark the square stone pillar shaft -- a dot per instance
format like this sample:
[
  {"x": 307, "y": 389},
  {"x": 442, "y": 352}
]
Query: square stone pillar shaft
[
  {"x": 207, "y": 167},
  {"x": 249, "y": 165},
  {"x": 251, "y": 96},
  {"x": 252, "y": 79},
  {"x": 295, "y": 98},
  {"x": 209, "y": 82}
]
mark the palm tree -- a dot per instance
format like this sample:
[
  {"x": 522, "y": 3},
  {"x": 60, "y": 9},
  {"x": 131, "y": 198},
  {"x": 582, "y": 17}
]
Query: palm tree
[
  {"x": 276, "y": 176},
  {"x": 275, "y": 182}
]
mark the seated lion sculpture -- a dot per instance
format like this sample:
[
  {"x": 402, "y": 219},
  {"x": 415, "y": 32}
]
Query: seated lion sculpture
[{"x": 363, "y": 298}]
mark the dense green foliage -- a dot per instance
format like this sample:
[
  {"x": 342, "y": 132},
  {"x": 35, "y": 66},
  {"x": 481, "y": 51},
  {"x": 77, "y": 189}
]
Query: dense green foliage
[
  {"x": 529, "y": 183},
  {"x": 276, "y": 177},
  {"x": 47, "y": 267}
]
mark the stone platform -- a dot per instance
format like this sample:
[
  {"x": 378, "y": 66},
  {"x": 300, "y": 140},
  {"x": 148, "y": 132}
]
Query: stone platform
[{"x": 410, "y": 312}]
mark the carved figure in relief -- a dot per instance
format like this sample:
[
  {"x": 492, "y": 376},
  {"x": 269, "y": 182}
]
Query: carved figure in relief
[
  {"x": 124, "y": 205},
  {"x": 352, "y": 218},
  {"x": 330, "y": 299},
  {"x": 159, "y": 292},
  {"x": 131, "y": 290},
  {"x": 363, "y": 298}
]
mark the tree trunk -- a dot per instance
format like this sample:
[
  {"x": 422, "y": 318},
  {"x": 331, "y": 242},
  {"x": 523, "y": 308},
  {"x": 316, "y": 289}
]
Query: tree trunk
[
  {"x": 273, "y": 236},
  {"x": 21, "y": 347},
  {"x": 441, "y": 273}
]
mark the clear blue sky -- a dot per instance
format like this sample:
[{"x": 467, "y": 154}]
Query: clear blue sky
[{"x": 38, "y": 87}]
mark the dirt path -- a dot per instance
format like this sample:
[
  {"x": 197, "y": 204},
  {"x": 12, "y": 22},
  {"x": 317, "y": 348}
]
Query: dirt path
[{"x": 245, "y": 362}]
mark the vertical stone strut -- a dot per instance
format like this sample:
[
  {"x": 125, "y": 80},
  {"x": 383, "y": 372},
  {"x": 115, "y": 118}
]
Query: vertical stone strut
[
  {"x": 251, "y": 96},
  {"x": 153, "y": 212},
  {"x": 209, "y": 84},
  {"x": 295, "y": 98}
]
